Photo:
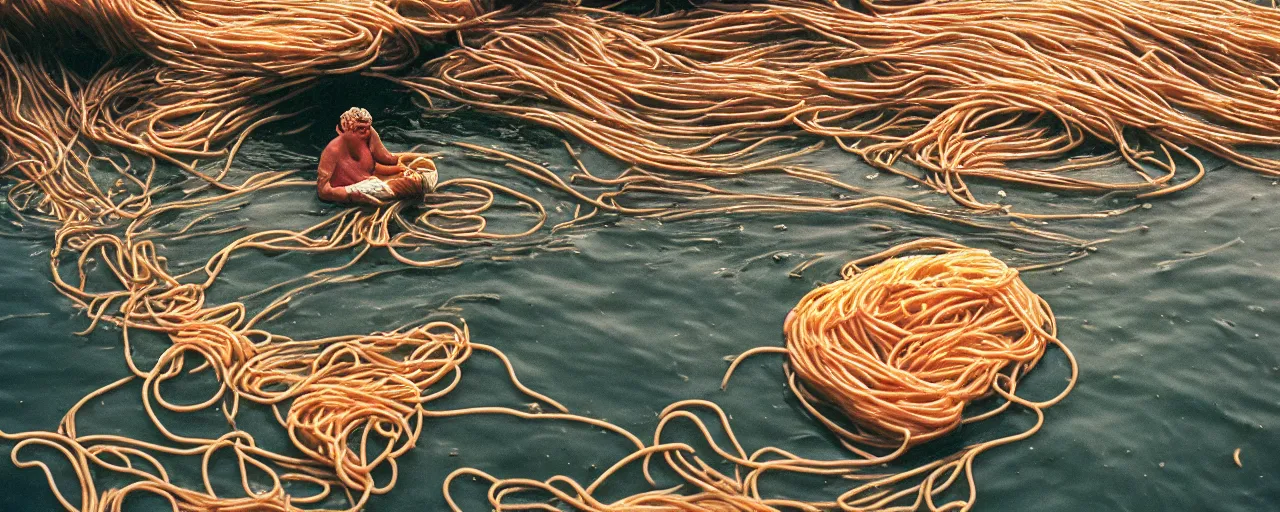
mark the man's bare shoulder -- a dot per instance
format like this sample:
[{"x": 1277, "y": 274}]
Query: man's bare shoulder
[{"x": 333, "y": 149}]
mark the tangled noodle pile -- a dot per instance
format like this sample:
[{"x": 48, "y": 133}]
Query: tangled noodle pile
[
  {"x": 957, "y": 89},
  {"x": 1056, "y": 94},
  {"x": 920, "y": 338},
  {"x": 196, "y": 72}
]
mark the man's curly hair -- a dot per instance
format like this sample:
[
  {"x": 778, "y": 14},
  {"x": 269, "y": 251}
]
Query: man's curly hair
[{"x": 352, "y": 116}]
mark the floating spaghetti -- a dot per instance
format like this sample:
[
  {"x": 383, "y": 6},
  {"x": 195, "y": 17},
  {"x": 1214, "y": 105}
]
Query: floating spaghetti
[
  {"x": 719, "y": 493},
  {"x": 900, "y": 348},
  {"x": 941, "y": 92},
  {"x": 350, "y": 404}
]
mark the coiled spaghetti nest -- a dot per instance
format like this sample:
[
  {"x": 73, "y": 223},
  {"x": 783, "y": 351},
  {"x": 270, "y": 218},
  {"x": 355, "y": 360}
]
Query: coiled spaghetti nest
[{"x": 902, "y": 347}]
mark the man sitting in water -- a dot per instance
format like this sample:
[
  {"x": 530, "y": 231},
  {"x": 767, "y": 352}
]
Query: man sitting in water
[{"x": 356, "y": 168}]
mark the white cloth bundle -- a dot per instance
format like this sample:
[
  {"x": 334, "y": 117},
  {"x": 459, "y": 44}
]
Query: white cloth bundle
[{"x": 372, "y": 187}]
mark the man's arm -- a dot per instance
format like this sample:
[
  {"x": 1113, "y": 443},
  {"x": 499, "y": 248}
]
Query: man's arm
[
  {"x": 326, "y": 191},
  {"x": 386, "y": 170},
  {"x": 380, "y": 153}
]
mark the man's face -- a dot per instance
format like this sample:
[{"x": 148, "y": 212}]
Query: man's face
[{"x": 361, "y": 131}]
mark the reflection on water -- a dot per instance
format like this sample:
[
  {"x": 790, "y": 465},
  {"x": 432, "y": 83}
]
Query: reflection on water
[{"x": 1173, "y": 321}]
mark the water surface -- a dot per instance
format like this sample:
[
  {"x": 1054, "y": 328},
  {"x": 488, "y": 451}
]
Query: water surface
[{"x": 1179, "y": 361}]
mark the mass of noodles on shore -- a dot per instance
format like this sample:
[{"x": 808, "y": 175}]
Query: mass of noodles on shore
[
  {"x": 107, "y": 104},
  {"x": 940, "y": 91}
]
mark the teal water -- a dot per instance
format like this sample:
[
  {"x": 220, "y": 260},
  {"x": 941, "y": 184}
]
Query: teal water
[{"x": 1179, "y": 362}]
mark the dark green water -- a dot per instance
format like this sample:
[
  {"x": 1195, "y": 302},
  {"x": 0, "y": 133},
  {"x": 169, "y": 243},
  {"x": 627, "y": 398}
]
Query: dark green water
[{"x": 1179, "y": 364}]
